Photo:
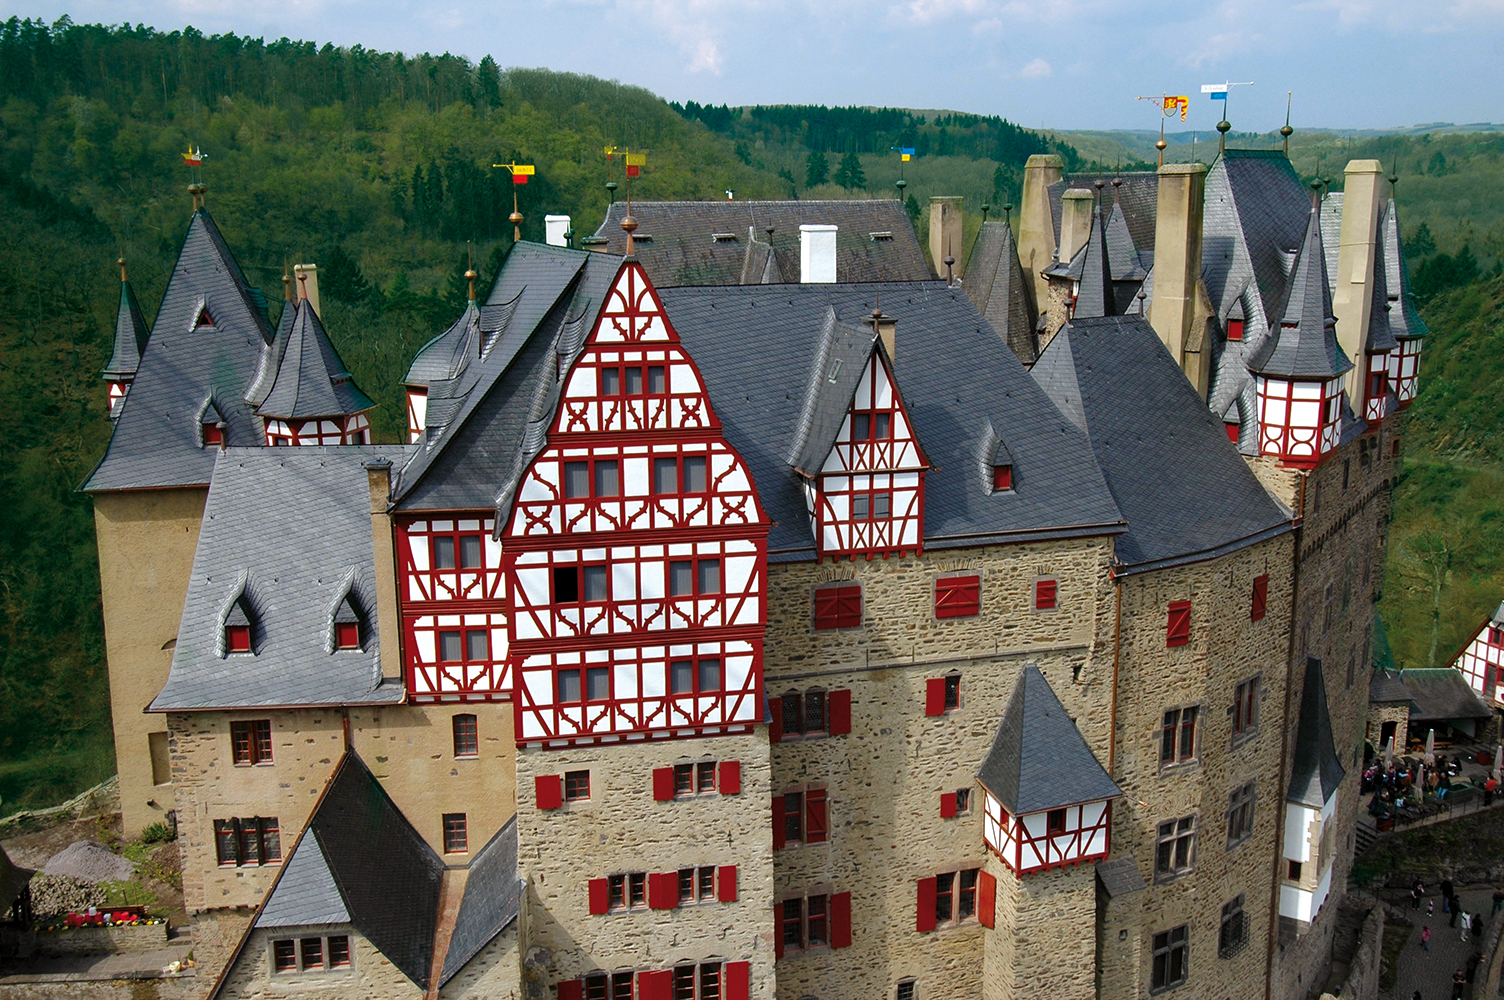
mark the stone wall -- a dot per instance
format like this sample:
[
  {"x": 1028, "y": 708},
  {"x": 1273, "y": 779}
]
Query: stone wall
[
  {"x": 1380, "y": 714},
  {"x": 493, "y": 974},
  {"x": 102, "y": 940},
  {"x": 370, "y": 974}
]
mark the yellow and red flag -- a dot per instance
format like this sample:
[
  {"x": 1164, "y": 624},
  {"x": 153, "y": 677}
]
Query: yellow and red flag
[
  {"x": 520, "y": 171},
  {"x": 1174, "y": 104},
  {"x": 194, "y": 157},
  {"x": 635, "y": 163}
]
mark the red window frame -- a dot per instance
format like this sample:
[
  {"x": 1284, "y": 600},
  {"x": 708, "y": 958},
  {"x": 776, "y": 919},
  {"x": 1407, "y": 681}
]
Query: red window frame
[
  {"x": 1244, "y": 706},
  {"x": 838, "y": 607},
  {"x": 576, "y": 786},
  {"x": 346, "y": 635},
  {"x": 464, "y": 636},
  {"x": 339, "y": 951},
  {"x": 456, "y": 834},
  {"x": 1002, "y": 478},
  {"x": 466, "y": 735},
  {"x": 251, "y": 741},
  {"x": 237, "y": 638},
  {"x": 212, "y": 434},
  {"x": 1046, "y": 594},
  {"x": 697, "y": 585},
  {"x": 958, "y": 596},
  {"x": 285, "y": 955},
  {"x": 1260, "y": 601},
  {"x": 1177, "y": 735},
  {"x": 1178, "y": 624}
]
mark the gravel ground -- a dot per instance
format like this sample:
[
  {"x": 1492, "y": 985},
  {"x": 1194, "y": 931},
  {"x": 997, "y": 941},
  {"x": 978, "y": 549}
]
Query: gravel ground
[{"x": 90, "y": 862}]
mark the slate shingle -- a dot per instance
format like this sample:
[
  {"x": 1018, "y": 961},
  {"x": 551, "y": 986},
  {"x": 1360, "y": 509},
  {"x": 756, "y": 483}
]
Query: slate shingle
[
  {"x": 1315, "y": 771},
  {"x": 492, "y": 900}
]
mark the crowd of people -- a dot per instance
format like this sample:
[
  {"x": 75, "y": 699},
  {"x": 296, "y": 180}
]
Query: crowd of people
[
  {"x": 1468, "y": 925},
  {"x": 1404, "y": 783}
]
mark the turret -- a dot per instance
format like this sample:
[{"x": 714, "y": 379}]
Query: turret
[
  {"x": 130, "y": 342},
  {"x": 313, "y": 399},
  {"x": 1404, "y": 320},
  {"x": 1298, "y": 369}
]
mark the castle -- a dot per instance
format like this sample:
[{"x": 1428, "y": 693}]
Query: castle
[{"x": 753, "y": 614}]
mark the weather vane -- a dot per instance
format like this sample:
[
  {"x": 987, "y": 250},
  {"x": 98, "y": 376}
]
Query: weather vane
[
  {"x": 1168, "y": 105},
  {"x": 520, "y": 173},
  {"x": 193, "y": 159}
]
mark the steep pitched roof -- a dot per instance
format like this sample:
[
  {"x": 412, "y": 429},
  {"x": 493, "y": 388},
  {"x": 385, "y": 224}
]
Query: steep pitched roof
[
  {"x": 1304, "y": 343},
  {"x": 1183, "y": 489},
  {"x": 1092, "y": 269},
  {"x": 677, "y": 244},
  {"x": 305, "y": 894},
  {"x": 1442, "y": 693},
  {"x": 156, "y": 441},
  {"x": 1380, "y": 333},
  {"x": 996, "y": 286},
  {"x": 1386, "y": 688},
  {"x": 311, "y": 379},
  {"x": 842, "y": 351},
  {"x": 316, "y": 502},
  {"x": 1315, "y": 771},
  {"x": 756, "y": 345},
  {"x": 1137, "y": 191},
  {"x": 492, "y": 900},
  {"x": 1038, "y": 760},
  {"x": 130, "y": 335},
  {"x": 1404, "y": 317}
]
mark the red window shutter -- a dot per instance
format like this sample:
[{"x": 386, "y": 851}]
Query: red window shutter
[
  {"x": 731, "y": 777},
  {"x": 1044, "y": 595},
  {"x": 840, "y": 920},
  {"x": 1002, "y": 477},
  {"x": 775, "y": 728},
  {"x": 1260, "y": 597},
  {"x": 663, "y": 890},
  {"x": 814, "y": 816},
  {"x": 725, "y": 889},
  {"x": 572, "y": 989},
  {"x": 827, "y": 608},
  {"x": 948, "y": 805},
  {"x": 849, "y": 613},
  {"x": 838, "y": 708},
  {"x": 549, "y": 790},
  {"x": 600, "y": 895},
  {"x": 958, "y": 596},
  {"x": 778, "y": 842},
  {"x": 739, "y": 980},
  {"x": 1178, "y": 627},
  {"x": 663, "y": 784},
  {"x": 986, "y": 899},
  {"x": 655, "y": 985},
  {"x": 934, "y": 696},
  {"x": 924, "y": 911}
]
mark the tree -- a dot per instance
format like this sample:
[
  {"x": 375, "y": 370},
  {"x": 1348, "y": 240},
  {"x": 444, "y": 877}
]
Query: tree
[
  {"x": 850, "y": 174},
  {"x": 743, "y": 153},
  {"x": 787, "y": 176},
  {"x": 999, "y": 184},
  {"x": 1421, "y": 243},
  {"x": 816, "y": 169},
  {"x": 342, "y": 277},
  {"x": 488, "y": 78}
]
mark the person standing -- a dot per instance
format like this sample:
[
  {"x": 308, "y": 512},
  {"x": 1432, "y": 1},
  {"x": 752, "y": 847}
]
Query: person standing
[
  {"x": 1430, "y": 908},
  {"x": 1466, "y": 921},
  {"x": 1425, "y": 939},
  {"x": 1416, "y": 892},
  {"x": 1459, "y": 985}
]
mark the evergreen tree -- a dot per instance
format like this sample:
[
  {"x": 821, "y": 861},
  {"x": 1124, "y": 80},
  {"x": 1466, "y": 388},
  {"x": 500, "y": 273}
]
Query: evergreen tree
[
  {"x": 912, "y": 208},
  {"x": 999, "y": 183},
  {"x": 816, "y": 169},
  {"x": 488, "y": 79},
  {"x": 342, "y": 278},
  {"x": 850, "y": 174},
  {"x": 787, "y": 176},
  {"x": 743, "y": 153},
  {"x": 1420, "y": 244}
]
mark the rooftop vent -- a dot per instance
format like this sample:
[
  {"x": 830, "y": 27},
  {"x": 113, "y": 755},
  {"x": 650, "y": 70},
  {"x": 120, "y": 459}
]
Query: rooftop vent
[
  {"x": 723, "y": 237},
  {"x": 881, "y": 236}
]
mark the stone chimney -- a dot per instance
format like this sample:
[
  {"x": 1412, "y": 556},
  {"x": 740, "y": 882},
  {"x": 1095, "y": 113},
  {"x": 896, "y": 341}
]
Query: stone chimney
[
  {"x": 554, "y": 229},
  {"x": 945, "y": 233},
  {"x": 1036, "y": 224},
  {"x": 1075, "y": 221},
  {"x": 1179, "y": 310},
  {"x": 388, "y": 621},
  {"x": 306, "y": 277},
  {"x": 887, "y": 332},
  {"x": 817, "y": 254},
  {"x": 1352, "y": 285}
]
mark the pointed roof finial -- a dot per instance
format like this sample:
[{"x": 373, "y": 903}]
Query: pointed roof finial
[
  {"x": 303, "y": 285},
  {"x": 470, "y": 274},
  {"x": 121, "y": 262},
  {"x": 1008, "y": 213},
  {"x": 949, "y": 262},
  {"x": 1285, "y": 129},
  {"x": 985, "y": 210},
  {"x": 286, "y": 283}
]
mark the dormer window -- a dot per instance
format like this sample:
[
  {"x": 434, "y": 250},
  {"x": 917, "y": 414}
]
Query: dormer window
[
  {"x": 1234, "y": 329},
  {"x": 214, "y": 435},
  {"x": 347, "y": 635},
  {"x": 1002, "y": 477},
  {"x": 204, "y": 319},
  {"x": 237, "y": 626},
  {"x": 237, "y": 638}
]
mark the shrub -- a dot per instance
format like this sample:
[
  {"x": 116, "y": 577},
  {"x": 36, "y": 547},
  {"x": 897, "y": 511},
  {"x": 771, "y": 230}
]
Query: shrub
[{"x": 157, "y": 833}]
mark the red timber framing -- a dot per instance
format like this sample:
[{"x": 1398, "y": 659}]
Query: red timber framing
[
  {"x": 1376, "y": 388},
  {"x": 417, "y": 412},
  {"x": 1299, "y": 421},
  {"x": 454, "y": 628},
  {"x": 1040, "y": 841},
  {"x": 352, "y": 429},
  {"x": 1482, "y": 662},
  {"x": 1404, "y": 370},
  {"x": 635, "y": 555},
  {"x": 869, "y": 497}
]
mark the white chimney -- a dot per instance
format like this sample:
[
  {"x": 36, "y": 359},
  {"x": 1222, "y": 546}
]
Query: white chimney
[
  {"x": 817, "y": 254},
  {"x": 554, "y": 228}
]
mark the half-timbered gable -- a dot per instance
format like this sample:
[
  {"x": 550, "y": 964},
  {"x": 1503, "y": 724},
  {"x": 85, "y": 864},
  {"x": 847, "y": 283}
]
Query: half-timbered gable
[
  {"x": 313, "y": 400},
  {"x": 1046, "y": 799},
  {"x": 636, "y": 523},
  {"x": 1482, "y": 659}
]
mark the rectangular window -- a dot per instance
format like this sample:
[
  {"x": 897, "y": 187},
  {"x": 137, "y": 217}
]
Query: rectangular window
[
  {"x": 681, "y": 578},
  {"x": 958, "y": 596},
  {"x": 610, "y": 381},
  {"x": 1175, "y": 848},
  {"x": 791, "y": 921},
  {"x": 1234, "y": 329},
  {"x": 285, "y": 955},
  {"x": 1045, "y": 594},
  {"x": 705, "y": 772},
  {"x": 1260, "y": 605},
  {"x": 952, "y": 691},
  {"x": 793, "y": 817},
  {"x": 225, "y": 842},
  {"x": 470, "y": 552},
  {"x": 213, "y": 435},
  {"x": 710, "y": 576},
  {"x": 312, "y": 949},
  {"x": 657, "y": 384},
  {"x": 576, "y": 785},
  {"x": 466, "y": 737},
  {"x": 905, "y": 990},
  {"x": 817, "y": 921},
  {"x": 1292, "y": 871},
  {"x": 1178, "y": 626},
  {"x": 451, "y": 649},
  {"x": 598, "y": 684},
  {"x": 665, "y": 476},
  {"x": 684, "y": 779},
  {"x": 814, "y": 712},
  {"x": 634, "y": 380},
  {"x": 339, "y": 951},
  {"x": 569, "y": 686},
  {"x": 694, "y": 474},
  {"x": 607, "y": 478},
  {"x": 838, "y": 607},
  {"x": 793, "y": 713},
  {"x": 1234, "y": 933},
  {"x": 347, "y": 635},
  {"x": 1177, "y": 738},
  {"x": 1055, "y": 822},
  {"x": 1240, "y": 814},
  {"x": 1002, "y": 478},
  {"x": 1244, "y": 704},
  {"x": 477, "y": 645},
  {"x": 637, "y": 889},
  {"x": 576, "y": 480},
  {"x": 247, "y": 842},
  {"x": 251, "y": 741},
  {"x": 1169, "y": 967},
  {"x": 956, "y": 896},
  {"x": 616, "y": 892},
  {"x": 270, "y": 836},
  {"x": 443, "y": 552},
  {"x": 594, "y": 578},
  {"x": 456, "y": 838},
  {"x": 966, "y": 902}
]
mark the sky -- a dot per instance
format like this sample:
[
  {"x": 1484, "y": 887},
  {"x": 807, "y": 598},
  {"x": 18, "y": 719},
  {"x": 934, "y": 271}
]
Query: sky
[{"x": 1067, "y": 64}]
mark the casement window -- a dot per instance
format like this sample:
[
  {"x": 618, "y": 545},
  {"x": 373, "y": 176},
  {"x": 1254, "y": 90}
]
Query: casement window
[
  {"x": 1054, "y": 822},
  {"x": 695, "y": 677},
  {"x": 237, "y": 638},
  {"x": 1175, "y": 848},
  {"x": 694, "y": 779},
  {"x": 1045, "y": 594},
  {"x": 471, "y": 645},
  {"x": 247, "y": 842},
  {"x": 838, "y": 606},
  {"x": 1178, "y": 625},
  {"x": 311, "y": 954},
  {"x": 1245, "y": 702},
  {"x": 812, "y": 713},
  {"x": 456, "y": 550},
  {"x": 907, "y": 989},
  {"x": 1240, "y": 813},
  {"x": 1170, "y": 952},
  {"x": 942, "y": 694},
  {"x": 679, "y": 475},
  {"x": 1495, "y": 636},
  {"x": 699, "y": 982},
  {"x": 466, "y": 736},
  {"x": 705, "y": 777},
  {"x": 1002, "y": 478},
  {"x": 633, "y": 380},
  {"x": 626, "y": 891},
  {"x": 813, "y": 921},
  {"x": 958, "y": 596},
  {"x": 1260, "y": 604},
  {"x": 597, "y": 686},
  {"x": 956, "y": 803},
  {"x": 214, "y": 435},
  {"x": 872, "y": 426},
  {"x": 693, "y": 577},
  {"x": 1293, "y": 871},
  {"x": 601, "y": 986},
  {"x": 953, "y": 898},
  {"x": 1177, "y": 736},
  {"x": 599, "y": 477},
  {"x": 346, "y": 635},
  {"x": 251, "y": 741},
  {"x": 800, "y": 818},
  {"x": 697, "y": 885},
  {"x": 874, "y": 505},
  {"x": 588, "y": 584},
  {"x": 662, "y": 890},
  {"x": 576, "y": 786},
  {"x": 1234, "y": 932},
  {"x": 456, "y": 835}
]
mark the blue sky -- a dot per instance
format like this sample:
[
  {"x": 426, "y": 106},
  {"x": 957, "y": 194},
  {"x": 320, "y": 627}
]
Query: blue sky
[{"x": 1056, "y": 63}]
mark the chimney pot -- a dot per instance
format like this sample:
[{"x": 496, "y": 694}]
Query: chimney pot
[
  {"x": 817, "y": 254},
  {"x": 308, "y": 282},
  {"x": 554, "y": 229}
]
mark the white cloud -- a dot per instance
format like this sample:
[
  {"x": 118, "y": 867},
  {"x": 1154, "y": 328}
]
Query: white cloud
[{"x": 1036, "y": 70}]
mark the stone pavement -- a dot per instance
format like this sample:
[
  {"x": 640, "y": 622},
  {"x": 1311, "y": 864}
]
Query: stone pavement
[
  {"x": 1431, "y": 972},
  {"x": 96, "y": 968}
]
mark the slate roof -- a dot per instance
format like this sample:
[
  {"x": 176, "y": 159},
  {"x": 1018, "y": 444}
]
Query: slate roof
[
  {"x": 996, "y": 286},
  {"x": 130, "y": 335},
  {"x": 270, "y": 360},
  {"x": 315, "y": 503},
  {"x": 1404, "y": 317},
  {"x": 1120, "y": 877},
  {"x": 1438, "y": 693},
  {"x": 367, "y": 861},
  {"x": 1183, "y": 489},
  {"x": 492, "y": 900},
  {"x": 755, "y": 346},
  {"x": 1038, "y": 760},
  {"x": 502, "y": 400},
  {"x": 841, "y": 353},
  {"x": 1092, "y": 269},
  {"x": 1386, "y": 688},
  {"x": 1380, "y": 334},
  {"x": 874, "y": 240},
  {"x": 1304, "y": 342},
  {"x": 1315, "y": 771},
  {"x": 1138, "y": 194},
  {"x": 157, "y": 440},
  {"x": 311, "y": 379}
]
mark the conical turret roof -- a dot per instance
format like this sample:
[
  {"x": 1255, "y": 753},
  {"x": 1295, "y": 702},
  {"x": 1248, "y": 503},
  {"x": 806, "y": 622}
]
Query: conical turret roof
[
  {"x": 311, "y": 379},
  {"x": 1304, "y": 345},
  {"x": 1092, "y": 269},
  {"x": 1315, "y": 772},
  {"x": 130, "y": 335},
  {"x": 1404, "y": 318}
]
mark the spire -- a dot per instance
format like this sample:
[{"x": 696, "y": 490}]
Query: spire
[
  {"x": 1315, "y": 771},
  {"x": 1092, "y": 270},
  {"x": 130, "y": 334},
  {"x": 1305, "y": 344},
  {"x": 311, "y": 380},
  {"x": 1285, "y": 130},
  {"x": 1404, "y": 318}
]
